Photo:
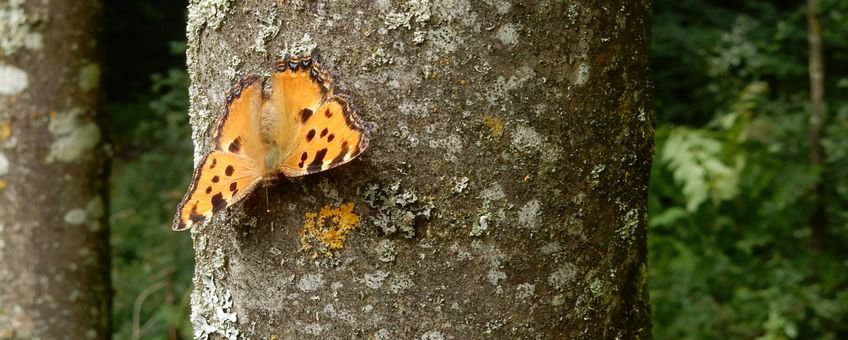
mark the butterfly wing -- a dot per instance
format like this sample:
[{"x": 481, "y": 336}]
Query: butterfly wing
[
  {"x": 333, "y": 136},
  {"x": 234, "y": 167},
  {"x": 221, "y": 179},
  {"x": 317, "y": 130}
]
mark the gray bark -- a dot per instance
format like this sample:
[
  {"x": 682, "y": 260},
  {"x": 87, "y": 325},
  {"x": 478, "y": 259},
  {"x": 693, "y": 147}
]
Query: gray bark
[
  {"x": 54, "y": 264},
  {"x": 503, "y": 194}
]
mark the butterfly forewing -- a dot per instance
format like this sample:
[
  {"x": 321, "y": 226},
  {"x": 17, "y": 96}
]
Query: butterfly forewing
[{"x": 332, "y": 136}]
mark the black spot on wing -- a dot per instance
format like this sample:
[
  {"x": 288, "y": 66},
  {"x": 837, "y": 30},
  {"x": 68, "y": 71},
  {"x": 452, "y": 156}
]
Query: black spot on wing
[
  {"x": 305, "y": 114},
  {"x": 214, "y": 161},
  {"x": 218, "y": 202},
  {"x": 328, "y": 113},
  {"x": 318, "y": 162},
  {"x": 235, "y": 146},
  {"x": 229, "y": 170},
  {"x": 304, "y": 156},
  {"x": 310, "y": 135},
  {"x": 208, "y": 190},
  {"x": 194, "y": 216},
  {"x": 215, "y": 179},
  {"x": 331, "y": 137},
  {"x": 233, "y": 186},
  {"x": 340, "y": 157},
  {"x": 324, "y": 132}
]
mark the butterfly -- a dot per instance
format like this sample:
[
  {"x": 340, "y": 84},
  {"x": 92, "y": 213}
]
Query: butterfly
[{"x": 299, "y": 128}]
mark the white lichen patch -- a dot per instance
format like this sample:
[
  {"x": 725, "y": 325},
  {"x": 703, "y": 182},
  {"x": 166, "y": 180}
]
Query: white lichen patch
[
  {"x": 386, "y": 250},
  {"x": 314, "y": 328},
  {"x": 73, "y": 136},
  {"x": 416, "y": 108},
  {"x": 452, "y": 146},
  {"x": 494, "y": 276},
  {"x": 433, "y": 335},
  {"x": 209, "y": 13},
  {"x": 528, "y": 213},
  {"x": 12, "y": 80},
  {"x": 562, "y": 277},
  {"x": 382, "y": 334},
  {"x": 501, "y": 89},
  {"x": 445, "y": 39},
  {"x": 213, "y": 313},
  {"x": 525, "y": 291},
  {"x": 375, "y": 280},
  {"x": 551, "y": 248},
  {"x": 75, "y": 216},
  {"x": 493, "y": 193},
  {"x": 268, "y": 29},
  {"x": 581, "y": 75},
  {"x": 310, "y": 282},
  {"x": 396, "y": 210},
  {"x": 600, "y": 289},
  {"x": 629, "y": 224},
  {"x": 4, "y": 164},
  {"x": 414, "y": 11},
  {"x": 400, "y": 283},
  {"x": 501, "y": 6},
  {"x": 508, "y": 34},
  {"x": 459, "y": 185},
  {"x": 16, "y": 26},
  {"x": 89, "y": 77},
  {"x": 303, "y": 46},
  {"x": 482, "y": 225},
  {"x": 456, "y": 11},
  {"x": 526, "y": 139},
  {"x": 340, "y": 314},
  {"x": 596, "y": 174}
]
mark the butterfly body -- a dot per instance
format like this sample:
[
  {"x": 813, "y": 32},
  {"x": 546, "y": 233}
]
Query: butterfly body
[{"x": 300, "y": 127}]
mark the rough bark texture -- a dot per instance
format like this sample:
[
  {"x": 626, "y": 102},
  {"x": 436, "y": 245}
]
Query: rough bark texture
[
  {"x": 54, "y": 264},
  {"x": 503, "y": 194}
]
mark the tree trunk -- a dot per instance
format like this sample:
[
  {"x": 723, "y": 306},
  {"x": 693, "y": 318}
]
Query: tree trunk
[
  {"x": 54, "y": 250},
  {"x": 503, "y": 195},
  {"x": 818, "y": 216}
]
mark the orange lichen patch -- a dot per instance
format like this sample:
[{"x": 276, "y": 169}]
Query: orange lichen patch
[
  {"x": 2, "y": 184},
  {"x": 327, "y": 230},
  {"x": 5, "y": 131},
  {"x": 495, "y": 124}
]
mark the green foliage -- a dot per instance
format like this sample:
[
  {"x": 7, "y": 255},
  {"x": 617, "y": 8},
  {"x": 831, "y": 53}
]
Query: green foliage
[
  {"x": 151, "y": 265},
  {"x": 732, "y": 187}
]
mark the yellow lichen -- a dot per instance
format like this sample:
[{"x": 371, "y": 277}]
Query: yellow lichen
[
  {"x": 495, "y": 124},
  {"x": 2, "y": 184},
  {"x": 326, "y": 231},
  {"x": 5, "y": 131}
]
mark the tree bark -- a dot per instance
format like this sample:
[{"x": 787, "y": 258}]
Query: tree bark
[
  {"x": 818, "y": 216},
  {"x": 503, "y": 195},
  {"x": 54, "y": 263}
]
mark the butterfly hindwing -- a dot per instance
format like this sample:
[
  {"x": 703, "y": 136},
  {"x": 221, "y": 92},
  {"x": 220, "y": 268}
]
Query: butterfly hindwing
[{"x": 221, "y": 179}]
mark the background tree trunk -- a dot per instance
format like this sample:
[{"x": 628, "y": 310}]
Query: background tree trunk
[
  {"x": 54, "y": 264},
  {"x": 818, "y": 116},
  {"x": 503, "y": 194}
]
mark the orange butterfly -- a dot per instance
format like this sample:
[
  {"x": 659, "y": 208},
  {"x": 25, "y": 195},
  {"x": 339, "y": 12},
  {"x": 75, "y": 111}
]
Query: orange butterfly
[{"x": 300, "y": 128}]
